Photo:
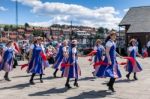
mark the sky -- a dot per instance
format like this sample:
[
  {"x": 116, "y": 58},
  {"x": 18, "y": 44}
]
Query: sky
[{"x": 94, "y": 13}]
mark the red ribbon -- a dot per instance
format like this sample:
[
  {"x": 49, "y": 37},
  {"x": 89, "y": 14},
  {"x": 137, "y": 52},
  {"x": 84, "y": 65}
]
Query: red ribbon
[
  {"x": 16, "y": 47},
  {"x": 92, "y": 53},
  {"x": 90, "y": 59},
  {"x": 23, "y": 66},
  {"x": 100, "y": 63},
  {"x": 65, "y": 65},
  {"x": 131, "y": 59},
  {"x": 123, "y": 63},
  {"x": 43, "y": 56}
]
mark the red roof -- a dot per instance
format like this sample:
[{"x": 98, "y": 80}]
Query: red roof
[{"x": 13, "y": 36}]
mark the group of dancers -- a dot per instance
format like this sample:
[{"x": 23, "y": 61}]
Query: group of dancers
[{"x": 66, "y": 60}]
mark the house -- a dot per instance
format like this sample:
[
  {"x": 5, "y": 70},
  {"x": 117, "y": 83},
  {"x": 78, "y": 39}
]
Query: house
[{"x": 137, "y": 24}]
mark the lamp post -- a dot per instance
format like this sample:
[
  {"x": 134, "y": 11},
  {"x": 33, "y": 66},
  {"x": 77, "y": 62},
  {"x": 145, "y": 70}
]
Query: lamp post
[
  {"x": 17, "y": 18},
  {"x": 71, "y": 31},
  {"x": 1, "y": 34}
]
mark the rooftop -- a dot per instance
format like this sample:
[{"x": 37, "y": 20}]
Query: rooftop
[{"x": 138, "y": 19}]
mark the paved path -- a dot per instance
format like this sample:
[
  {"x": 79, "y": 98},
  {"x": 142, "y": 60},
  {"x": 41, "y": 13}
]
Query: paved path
[{"x": 90, "y": 88}]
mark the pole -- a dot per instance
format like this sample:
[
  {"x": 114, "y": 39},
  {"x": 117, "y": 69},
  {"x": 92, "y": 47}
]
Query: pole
[
  {"x": 1, "y": 34},
  {"x": 16, "y": 13},
  {"x": 119, "y": 41},
  {"x": 71, "y": 31},
  {"x": 17, "y": 17}
]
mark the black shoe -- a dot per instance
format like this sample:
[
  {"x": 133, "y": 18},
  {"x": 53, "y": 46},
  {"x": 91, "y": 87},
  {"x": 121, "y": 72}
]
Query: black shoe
[
  {"x": 7, "y": 79},
  {"x": 54, "y": 75},
  {"x": 127, "y": 77},
  {"x": 108, "y": 84},
  {"x": 68, "y": 86},
  {"x": 41, "y": 80},
  {"x": 93, "y": 73},
  {"x": 135, "y": 78},
  {"x": 32, "y": 82},
  {"x": 62, "y": 75},
  {"x": 76, "y": 85},
  {"x": 111, "y": 88}
]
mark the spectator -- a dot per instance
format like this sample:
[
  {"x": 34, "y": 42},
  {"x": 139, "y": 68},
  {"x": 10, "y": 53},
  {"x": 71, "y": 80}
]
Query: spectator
[
  {"x": 144, "y": 51},
  {"x": 148, "y": 47}
]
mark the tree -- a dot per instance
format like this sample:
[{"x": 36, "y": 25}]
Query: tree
[
  {"x": 12, "y": 28},
  {"x": 100, "y": 32},
  {"x": 6, "y": 27},
  {"x": 37, "y": 33},
  {"x": 26, "y": 25}
]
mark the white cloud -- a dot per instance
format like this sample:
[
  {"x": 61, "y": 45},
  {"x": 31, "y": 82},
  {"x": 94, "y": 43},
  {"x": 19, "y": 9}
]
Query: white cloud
[
  {"x": 126, "y": 10},
  {"x": 63, "y": 13},
  {"x": 3, "y": 9}
]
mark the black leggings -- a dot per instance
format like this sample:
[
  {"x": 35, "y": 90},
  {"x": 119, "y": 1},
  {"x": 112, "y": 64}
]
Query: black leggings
[
  {"x": 75, "y": 81},
  {"x": 32, "y": 77},
  {"x": 130, "y": 73},
  {"x": 6, "y": 74},
  {"x": 111, "y": 82}
]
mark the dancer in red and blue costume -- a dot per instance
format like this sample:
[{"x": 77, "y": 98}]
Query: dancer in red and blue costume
[
  {"x": 8, "y": 59},
  {"x": 65, "y": 60},
  {"x": 133, "y": 67},
  {"x": 72, "y": 70},
  {"x": 99, "y": 48},
  {"x": 110, "y": 68},
  {"x": 59, "y": 56},
  {"x": 36, "y": 64}
]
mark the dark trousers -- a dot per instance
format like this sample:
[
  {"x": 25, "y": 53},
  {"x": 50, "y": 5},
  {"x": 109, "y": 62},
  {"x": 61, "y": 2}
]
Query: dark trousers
[
  {"x": 148, "y": 49},
  {"x": 111, "y": 82},
  {"x": 130, "y": 74},
  {"x": 32, "y": 77},
  {"x": 68, "y": 79}
]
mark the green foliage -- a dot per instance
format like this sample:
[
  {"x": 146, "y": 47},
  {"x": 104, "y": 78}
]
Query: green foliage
[
  {"x": 9, "y": 27},
  {"x": 101, "y": 31},
  {"x": 26, "y": 25},
  {"x": 37, "y": 33},
  {"x": 6, "y": 27}
]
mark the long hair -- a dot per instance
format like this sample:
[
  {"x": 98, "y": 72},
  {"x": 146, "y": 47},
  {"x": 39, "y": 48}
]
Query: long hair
[
  {"x": 107, "y": 39},
  {"x": 9, "y": 42},
  {"x": 35, "y": 41}
]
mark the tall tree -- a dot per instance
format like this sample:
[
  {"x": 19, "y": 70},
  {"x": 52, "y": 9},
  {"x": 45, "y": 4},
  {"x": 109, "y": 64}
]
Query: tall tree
[
  {"x": 37, "y": 33},
  {"x": 101, "y": 31},
  {"x": 6, "y": 27},
  {"x": 26, "y": 25}
]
